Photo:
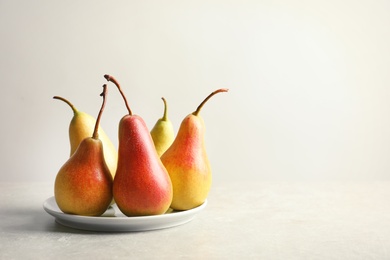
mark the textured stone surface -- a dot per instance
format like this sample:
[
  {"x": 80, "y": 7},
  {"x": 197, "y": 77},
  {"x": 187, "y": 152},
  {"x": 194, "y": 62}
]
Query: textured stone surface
[{"x": 250, "y": 220}]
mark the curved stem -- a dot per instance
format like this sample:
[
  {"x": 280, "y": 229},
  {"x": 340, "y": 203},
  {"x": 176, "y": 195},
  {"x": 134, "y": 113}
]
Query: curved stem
[
  {"x": 113, "y": 80},
  {"x": 95, "y": 134},
  {"x": 165, "y": 115},
  {"x": 67, "y": 102},
  {"x": 207, "y": 98}
]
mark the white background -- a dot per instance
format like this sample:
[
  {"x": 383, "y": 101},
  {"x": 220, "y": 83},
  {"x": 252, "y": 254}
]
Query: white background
[{"x": 309, "y": 81}]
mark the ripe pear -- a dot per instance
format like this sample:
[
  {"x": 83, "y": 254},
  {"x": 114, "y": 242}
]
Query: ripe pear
[
  {"x": 81, "y": 126},
  {"x": 187, "y": 162},
  {"x": 162, "y": 132},
  {"x": 83, "y": 185},
  {"x": 141, "y": 185}
]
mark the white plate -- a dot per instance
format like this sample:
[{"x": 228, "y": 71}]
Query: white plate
[{"x": 115, "y": 221}]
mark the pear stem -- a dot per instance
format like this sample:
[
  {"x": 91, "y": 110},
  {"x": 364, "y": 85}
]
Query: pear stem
[
  {"x": 165, "y": 115},
  {"x": 207, "y": 98},
  {"x": 67, "y": 102},
  {"x": 95, "y": 134},
  {"x": 113, "y": 80}
]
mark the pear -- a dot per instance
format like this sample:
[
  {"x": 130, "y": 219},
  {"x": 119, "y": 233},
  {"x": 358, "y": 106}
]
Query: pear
[
  {"x": 83, "y": 185},
  {"x": 141, "y": 185},
  {"x": 81, "y": 126},
  {"x": 162, "y": 132},
  {"x": 187, "y": 162}
]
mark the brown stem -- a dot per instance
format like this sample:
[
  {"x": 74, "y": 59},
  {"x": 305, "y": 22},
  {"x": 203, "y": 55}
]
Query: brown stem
[
  {"x": 165, "y": 115},
  {"x": 113, "y": 80},
  {"x": 207, "y": 98},
  {"x": 95, "y": 134},
  {"x": 67, "y": 102}
]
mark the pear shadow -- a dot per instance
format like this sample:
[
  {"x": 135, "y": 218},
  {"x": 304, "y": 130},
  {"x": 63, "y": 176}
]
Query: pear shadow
[
  {"x": 33, "y": 220},
  {"x": 36, "y": 220}
]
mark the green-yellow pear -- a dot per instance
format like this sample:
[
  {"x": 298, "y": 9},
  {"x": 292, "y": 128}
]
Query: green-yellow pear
[
  {"x": 83, "y": 185},
  {"x": 81, "y": 127},
  {"x": 162, "y": 132},
  {"x": 187, "y": 162}
]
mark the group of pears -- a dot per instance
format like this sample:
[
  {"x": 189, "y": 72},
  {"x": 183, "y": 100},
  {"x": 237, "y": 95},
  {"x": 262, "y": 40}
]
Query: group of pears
[{"x": 150, "y": 172}]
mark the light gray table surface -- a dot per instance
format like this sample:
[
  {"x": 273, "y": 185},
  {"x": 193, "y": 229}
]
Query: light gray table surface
[{"x": 263, "y": 220}]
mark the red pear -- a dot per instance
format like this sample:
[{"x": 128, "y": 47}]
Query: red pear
[{"x": 141, "y": 185}]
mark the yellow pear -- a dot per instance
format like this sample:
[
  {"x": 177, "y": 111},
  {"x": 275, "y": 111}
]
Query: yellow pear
[
  {"x": 81, "y": 126},
  {"x": 187, "y": 163},
  {"x": 162, "y": 132}
]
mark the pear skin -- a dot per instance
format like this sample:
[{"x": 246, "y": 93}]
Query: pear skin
[
  {"x": 162, "y": 132},
  {"x": 188, "y": 165},
  {"x": 187, "y": 162},
  {"x": 81, "y": 126},
  {"x": 83, "y": 185},
  {"x": 141, "y": 185}
]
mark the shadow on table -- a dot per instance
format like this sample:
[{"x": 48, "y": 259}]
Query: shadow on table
[
  {"x": 21, "y": 220},
  {"x": 36, "y": 220}
]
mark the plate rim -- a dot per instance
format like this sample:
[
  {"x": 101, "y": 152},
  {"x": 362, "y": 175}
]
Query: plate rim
[{"x": 111, "y": 223}]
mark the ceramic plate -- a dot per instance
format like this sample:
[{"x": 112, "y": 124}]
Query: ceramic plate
[{"x": 113, "y": 220}]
